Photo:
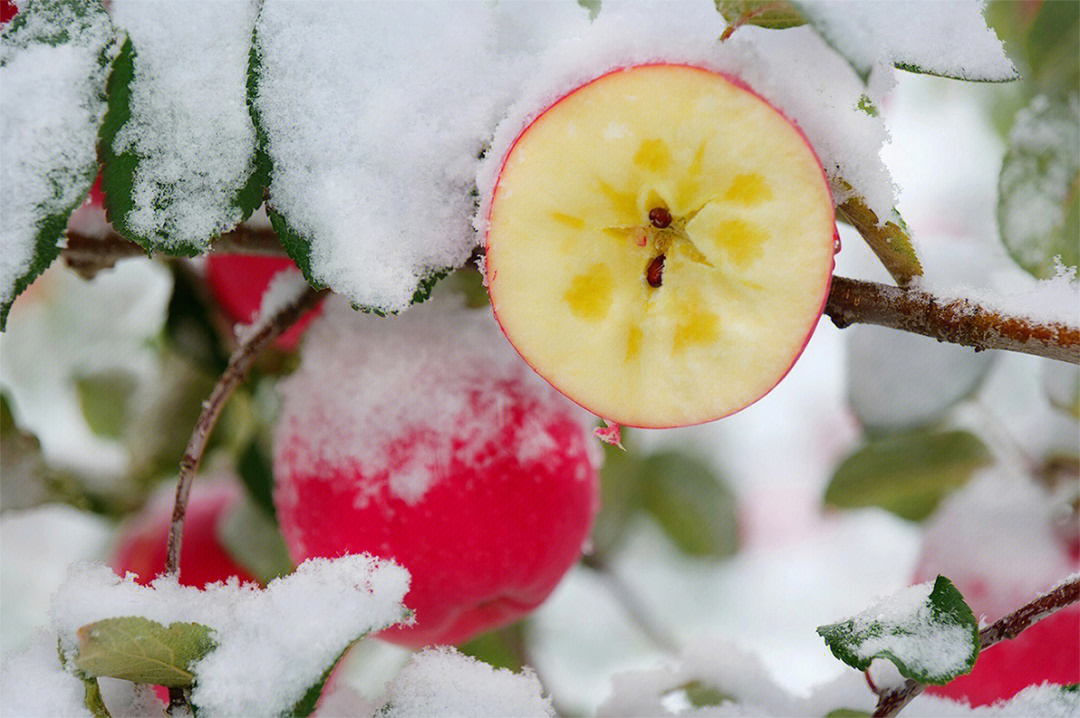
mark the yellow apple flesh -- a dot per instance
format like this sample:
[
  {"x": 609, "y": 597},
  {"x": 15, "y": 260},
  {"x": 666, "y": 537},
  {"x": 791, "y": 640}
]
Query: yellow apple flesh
[{"x": 660, "y": 245}]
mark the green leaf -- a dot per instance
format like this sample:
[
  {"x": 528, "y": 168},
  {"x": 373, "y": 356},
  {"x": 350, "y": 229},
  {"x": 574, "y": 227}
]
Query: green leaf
[
  {"x": 846, "y": 713},
  {"x": 143, "y": 651},
  {"x": 1038, "y": 205},
  {"x": 1053, "y": 48},
  {"x": 908, "y": 473},
  {"x": 930, "y": 636},
  {"x": 93, "y": 700},
  {"x": 690, "y": 502},
  {"x": 104, "y": 398},
  {"x": 252, "y": 539},
  {"x": 170, "y": 197},
  {"x": 501, "y": 648},
  {"x": 257, "y": 473},
  {"x": 50, "y": 164},
  {"x": 620, "y": 497},
  {"x": 310, "y": 700},
  {"x": 889, "y": 240},
  {"x": 771, "y": 14}
]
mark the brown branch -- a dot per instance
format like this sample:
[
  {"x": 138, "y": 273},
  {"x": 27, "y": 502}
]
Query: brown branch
[
  {"x": 958, "y": 321},
  {"x": 240, "y": 363},
  {"x": 891, "y": 701},
  {"x": 88, "y": 255}
]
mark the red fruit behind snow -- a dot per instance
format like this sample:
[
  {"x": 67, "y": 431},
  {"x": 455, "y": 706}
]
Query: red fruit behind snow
[
  {"x": 424, "y": 439},
  {"x": 238, "y": 282},
  {"x": 7, "y": 10},
  {"x": 141, "y": 548}
]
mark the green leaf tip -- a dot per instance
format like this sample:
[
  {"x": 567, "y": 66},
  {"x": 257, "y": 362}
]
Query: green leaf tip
[{"x": 930, "y": 636}]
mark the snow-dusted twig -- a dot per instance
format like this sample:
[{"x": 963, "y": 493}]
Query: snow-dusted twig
[
  {"x": 240, "y": 363},
  {"x": 88, "y": 255},
  {"x": 958, "y": 321},
  {"x": 1066, "y": 593}
]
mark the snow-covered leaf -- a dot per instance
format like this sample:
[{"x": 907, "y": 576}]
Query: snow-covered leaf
[
  {"x": 54, "y": 58},
  {"x": 900, "y": 380},
  {"x": 177, "y": 144},
  {"x": 143, "y": 651},
  {"x": 889, "y": 238},
  {"x": 1038, "y": 202},
  {"x": 772, "y": 14},
  {"x": 926, "y": 630},
  {"x": 273, "y": 644},
  {"x": 372, "y": 117},
  {"x": 949, "y": 39},
  {"x": 251, "y": 537},
  {"x": 909, "y": 473}
]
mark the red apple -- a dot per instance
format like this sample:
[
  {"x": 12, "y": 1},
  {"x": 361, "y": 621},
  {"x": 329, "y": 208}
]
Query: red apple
[
  {"x": 238, "y": 282},
  {"x": 660, "y": 245},
  {"x": 142, "y": 542},
  {"x": 423, "y": 438},
  {"x": 7, "y": 11},
  {"x": 998, "y": 540}
]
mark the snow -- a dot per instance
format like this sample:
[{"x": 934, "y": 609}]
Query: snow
[
  {"x": 997, "y": 520},
  {"x": 402, "y": 396},
  {"x": 375, "y": 114},
  {"x": 443, "y": 682},
  {"x": 39, "y": 544},
  {"x": 33, "y": 683},
  {"x": 904, "y": 626},
  {"x": 272, "y": 644},
  {"x": 1045, "y": 701},
  {"x": 794, "y": 70},
  {"x": 943, "y": 38},
  {"x": 48, "y": 136},
  {"x": 85, "y": 328},
  {"x": 189, "y": 123}
]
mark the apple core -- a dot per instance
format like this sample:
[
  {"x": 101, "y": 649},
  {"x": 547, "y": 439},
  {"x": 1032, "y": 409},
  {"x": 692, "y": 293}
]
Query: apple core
[{"x": 660, "y": 245}]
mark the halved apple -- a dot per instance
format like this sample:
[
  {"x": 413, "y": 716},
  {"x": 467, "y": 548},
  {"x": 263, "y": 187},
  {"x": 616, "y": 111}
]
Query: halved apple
[{"x": 660, "y": 245}]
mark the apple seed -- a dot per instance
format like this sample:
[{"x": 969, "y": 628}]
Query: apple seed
[
  {"x": 659, "y": 217},
  {"x": 655, "y": 273}
]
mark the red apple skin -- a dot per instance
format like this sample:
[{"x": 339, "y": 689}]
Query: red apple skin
[
  {"x": 238, "y": 282},
  {"x": 1048, "y": 651},
  {"x": 490, "y": 272},
  {"x": 484, "y": 546},
  {"x": 142, "y": 543}
]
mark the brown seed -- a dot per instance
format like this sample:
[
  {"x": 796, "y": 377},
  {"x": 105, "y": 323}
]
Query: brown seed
[
  {"x": 655, "y": 273},
  {"x": 659, "y": 217}
]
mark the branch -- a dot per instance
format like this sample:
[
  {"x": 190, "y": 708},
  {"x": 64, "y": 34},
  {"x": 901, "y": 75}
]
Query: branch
[
  {"x": 240, "y": 363},
  {"x": 88, "y": 255},
  {"x": 958, "y": 321},
  {"x": 891, "y": 701}
]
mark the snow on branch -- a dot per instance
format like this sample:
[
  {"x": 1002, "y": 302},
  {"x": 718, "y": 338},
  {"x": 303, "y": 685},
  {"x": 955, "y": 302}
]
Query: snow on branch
[
  {"x": 1066, "y": 593},
  {"x": 955, "y": 320}
]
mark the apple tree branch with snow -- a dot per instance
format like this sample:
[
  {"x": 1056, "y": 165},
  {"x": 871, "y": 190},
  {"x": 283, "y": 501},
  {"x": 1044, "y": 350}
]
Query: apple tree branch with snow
[{"x": 612, "y": 357}]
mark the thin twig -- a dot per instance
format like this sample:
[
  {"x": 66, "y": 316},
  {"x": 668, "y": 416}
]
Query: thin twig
[
  {"x": 891, "y": 701},
  {"x": 958, "y": 321},
  {"x": 240, "y": 363},
  {"x": 88, "y": 255},
  {"x": 630, "y": 603}
]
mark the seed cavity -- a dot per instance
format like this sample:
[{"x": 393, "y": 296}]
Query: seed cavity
[
  {"x": 659, "y": 217},
  {"x": 655, "y": 273}
]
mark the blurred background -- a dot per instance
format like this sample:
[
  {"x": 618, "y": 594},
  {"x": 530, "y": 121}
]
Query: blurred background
[{"x": 883, "y": 458}]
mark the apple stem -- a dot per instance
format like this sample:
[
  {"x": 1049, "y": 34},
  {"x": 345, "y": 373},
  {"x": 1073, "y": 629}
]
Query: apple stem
[{"x": 1066, "y": 593}]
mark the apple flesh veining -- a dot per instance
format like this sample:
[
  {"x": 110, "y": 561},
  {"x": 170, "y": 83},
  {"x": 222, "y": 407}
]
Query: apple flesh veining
[
  {"x": 660, "y": 245},
  {"x": 424, "y": 438}
]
